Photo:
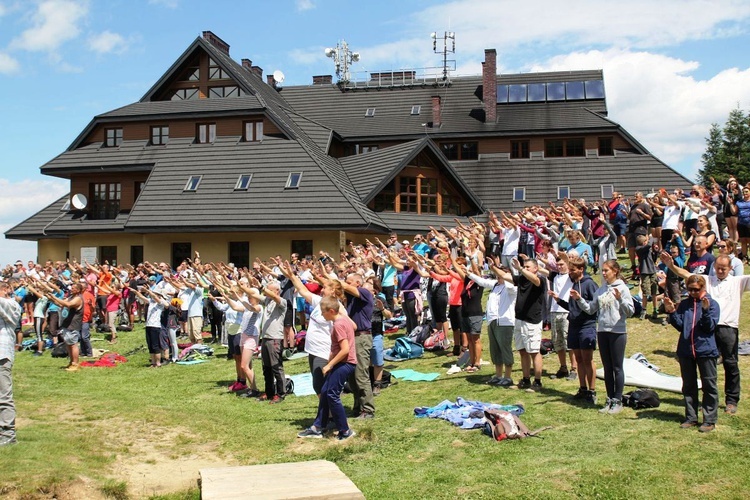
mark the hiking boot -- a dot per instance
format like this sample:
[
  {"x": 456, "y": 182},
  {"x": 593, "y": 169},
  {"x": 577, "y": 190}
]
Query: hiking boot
[
  {"x": 581, "y": 394},
  {"x": 276, "y": 400},
  {"x": 365, "y": 415},
  {"x": 607, "y": 406},
  {"x": 591, "y": 397},
  {"x": 74, "y": 367},
  {"x": 536, "y": 386},
  {"x": 524, "y": 384},
  {"x": 310, "y": 432},
  {"x": 343, "y": 436},
  {"x": 615, "y": 407},
  {"x": 688, "y": 424},
  {"x": 561, "y": 373},
  {"x": 731, "y": 409},
  {"x": 706, "y": 427},
  {"x": 573, "y": 375}
]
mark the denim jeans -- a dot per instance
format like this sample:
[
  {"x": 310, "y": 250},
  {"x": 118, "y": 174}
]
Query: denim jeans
[
  {"x": 7, "y": 406},
  {"x": 330, "y": 398},
  {"x": 86, "y": 349}
]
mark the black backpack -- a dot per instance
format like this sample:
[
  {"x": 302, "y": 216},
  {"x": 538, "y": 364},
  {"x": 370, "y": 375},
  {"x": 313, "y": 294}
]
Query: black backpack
[
  {"x": 59, "y": 351},
  {"x": 641, "y": 398}
]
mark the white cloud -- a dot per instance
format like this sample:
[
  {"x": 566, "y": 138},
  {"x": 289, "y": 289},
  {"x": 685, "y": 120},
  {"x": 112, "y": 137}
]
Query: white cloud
[
  {"x": 303, "y": 5},
  {"x": 307, "y": 56},
  {"x": 54, "y": 22},
  {"x": 655, "y": 98},
  {"x": 106, "y": 42},
  {"x": 8, "y": 65},
  {"x": 19, "y": 201}
]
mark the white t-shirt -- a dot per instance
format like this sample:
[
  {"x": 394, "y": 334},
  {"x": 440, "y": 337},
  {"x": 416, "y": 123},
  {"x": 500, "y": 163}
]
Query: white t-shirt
[
  {"x": 318, "y": 337},
  {"x": 728, "y": 294},
  {"x": 561, "y": 285},
  {"x": 671, "y": 217},
  {"x": 153, "y": 317},
  {"x": 511, "y": 237}
]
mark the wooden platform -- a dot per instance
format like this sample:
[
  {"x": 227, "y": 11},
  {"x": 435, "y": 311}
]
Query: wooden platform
[{"x": 300, "y": 480}]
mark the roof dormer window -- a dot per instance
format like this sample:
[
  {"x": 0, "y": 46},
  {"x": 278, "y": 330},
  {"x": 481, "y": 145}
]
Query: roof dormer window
[
  {"x": 370, "y": 112},
  {"x": 293, "y": 181},
  {"x": 113, "y": 137},
  {"x": 193, "y": 183}
]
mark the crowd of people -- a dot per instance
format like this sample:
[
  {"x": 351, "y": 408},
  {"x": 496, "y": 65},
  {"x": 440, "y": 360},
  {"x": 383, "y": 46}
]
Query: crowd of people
[{"x": 535, "y": 268}]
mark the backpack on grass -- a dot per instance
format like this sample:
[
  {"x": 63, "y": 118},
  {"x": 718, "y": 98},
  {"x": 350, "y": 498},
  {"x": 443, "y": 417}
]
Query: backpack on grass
[
  {"x": 420, "y": 333},
  {"x": 59, "y": 351},
  {"x": 406, "y": 348},
  {"x": 502, "y": 425},
  {"x": 437, "y": 341},
  {"x": 641, "y": 398}
]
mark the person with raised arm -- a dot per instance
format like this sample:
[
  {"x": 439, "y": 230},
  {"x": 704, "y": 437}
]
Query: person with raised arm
[
  {"x": 71, "y": 323},
  {"x": 156, "y": 305},
  {"x": 471, "y": 314}
]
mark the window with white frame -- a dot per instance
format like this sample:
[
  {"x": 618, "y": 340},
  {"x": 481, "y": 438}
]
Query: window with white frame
[
  {"x": 563, "y": 192},
  {"x": 370, "y": 112},
  {"x": 519, "y": 194},
  {"x": 293, "y": 181},
  {"x": 243, "y": 182},
  {"x": 415, "y": 110},
  {"x": 607, "y": 190},
  {"x": 193, "y": 182}
]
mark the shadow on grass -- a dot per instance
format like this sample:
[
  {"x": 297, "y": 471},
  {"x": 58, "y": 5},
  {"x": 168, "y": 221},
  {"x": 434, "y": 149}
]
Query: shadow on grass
[
  {"x": 668, "y": 354},
  {"x": 655, "y": 414}
]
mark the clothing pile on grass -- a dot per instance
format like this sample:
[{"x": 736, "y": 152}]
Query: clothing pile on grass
[
  {"x": 500, "y": 422},
  {"x": 194, "y": 354},
  {"x": 108, "y": 360}
]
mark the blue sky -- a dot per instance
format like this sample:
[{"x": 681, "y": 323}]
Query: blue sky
[{"x": 671, "y": 67}]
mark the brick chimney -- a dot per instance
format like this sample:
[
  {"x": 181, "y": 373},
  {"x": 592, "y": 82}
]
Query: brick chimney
[
  {"x": 489, "y": 85},
  {"x": 436, "y": 119},
  {"x": 322, "y": 79},
  {"x": 270, "y": 80},
  {"x": 247, "y": 64},
  {"x": 216, "y": 41},
  {"x": 257, "y": 70}
]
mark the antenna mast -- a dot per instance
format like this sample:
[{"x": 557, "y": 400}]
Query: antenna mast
[
  {"x": 448, "y": 48},
  {"x": 342, "y": 59}
]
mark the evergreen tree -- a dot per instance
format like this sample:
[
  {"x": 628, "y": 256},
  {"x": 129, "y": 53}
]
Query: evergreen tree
[{"x": 727, "y": 150}]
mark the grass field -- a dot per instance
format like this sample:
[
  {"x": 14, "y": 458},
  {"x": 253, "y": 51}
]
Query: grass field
[{"x": 134, "y": 432}]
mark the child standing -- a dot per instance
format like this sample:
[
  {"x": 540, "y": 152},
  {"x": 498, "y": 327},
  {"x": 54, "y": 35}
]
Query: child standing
[
  {"x": 647, "y": 272},
  {"x": 341, "y": 363}
]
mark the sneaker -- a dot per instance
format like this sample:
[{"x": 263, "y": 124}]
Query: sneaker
[
  {"x": 453, "y": 370},
  {"x": 706, "y": 427},
  {"x": 642, "y": 315},
  {"x": 343, "y": 436},
  {"x": 731, "y": 409},
  {"x": 536, "y": 386},
  {"x": 38, "y": 353},
  {"x": 263, "y": 397},
  {"x": 688, "y": 424},
  {"x": 505, "y": 382},
  {"x": 276, "y": 400},
  {"x": 494, "y": 380},
  {"x": 249, "y": 394},
  {"x": 561, "y": 373},
  {"x": 573, "y": 375},
  {"x": 238, "y": 386},
  {"x": 607, "y": 406},
  {"x": 365, "y": 415},
  {"x": 581, "y": 394},
  {"x": 615, "y": 407},
  {"x": 664, "y": 322},
  {"x": 524, "y": 384},
  {"x": 590, "y": 397},
  {"x": 310, "y": 432},
  {"x": 376, "y": 390}
]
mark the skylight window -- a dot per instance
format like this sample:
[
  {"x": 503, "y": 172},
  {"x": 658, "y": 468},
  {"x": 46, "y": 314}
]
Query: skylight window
[
  {"x": 193, "y": 182},
  {"x": 574, "y": 90},
  {"x": 370, "y": 112},
  {"x": 293, "y": 181},
  {"x": 415, "y": 110},
  {"x": 594, "y": 89},
  {"x": 243, "y": 182}
]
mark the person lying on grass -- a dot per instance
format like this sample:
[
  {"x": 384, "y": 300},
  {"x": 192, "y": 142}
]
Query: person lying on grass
[{"x": 341, "y": 363}]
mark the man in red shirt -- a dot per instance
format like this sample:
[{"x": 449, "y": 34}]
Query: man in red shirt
[{"x": 89, "y": 307}]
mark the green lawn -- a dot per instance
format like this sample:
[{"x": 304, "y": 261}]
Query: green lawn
[{"x": 132, "y": 432}]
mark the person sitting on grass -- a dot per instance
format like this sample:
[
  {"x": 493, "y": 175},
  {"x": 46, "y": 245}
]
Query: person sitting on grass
[{"x": 341, "y": 364}]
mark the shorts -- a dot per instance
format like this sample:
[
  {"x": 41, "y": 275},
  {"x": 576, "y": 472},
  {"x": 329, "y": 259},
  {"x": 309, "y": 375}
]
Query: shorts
[
  {"x": 559, "y": 328},
  {"x": 164, "y": 339},
  {"x": 454, "y": 315},
  {"x": 501, "y": 344},
  {"x": 440, "y": 307},
  {"x": 376, "y": 352},
  {"x": 743, "y": 230},
  {"x": 300, "y": 304},
  {"x": 249, "y": 342},
  {"x": 152, "y": 339},
  {"x": 289, "y": 315},
  {"x": 527, "y": 336},
  {"x": 584, "y": 339},
  {"x": 233, "y": 345},
  {"x": 70, "y": 337},
  {"x": 183, "y": 316},
  {"x": 632, "y": 243},
  {"x": 648, "y": 285},
  {"x": 620, "y": 228},
  {"x": 471, "y": 325}
]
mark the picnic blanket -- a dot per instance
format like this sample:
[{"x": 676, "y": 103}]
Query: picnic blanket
[
  {"x": 414, "y": 376},
  {"x": 109, "y": 360},
  {"x": 302, "y": 384},
  {"x": 464, "y": 414},
  {"x": 191, "y": 362}
]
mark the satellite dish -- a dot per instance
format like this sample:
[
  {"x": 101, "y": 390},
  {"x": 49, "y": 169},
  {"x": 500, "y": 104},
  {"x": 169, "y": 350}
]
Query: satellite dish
[
  {"x": 79, "y": 201},
  {"x": 278, "y": 76}
]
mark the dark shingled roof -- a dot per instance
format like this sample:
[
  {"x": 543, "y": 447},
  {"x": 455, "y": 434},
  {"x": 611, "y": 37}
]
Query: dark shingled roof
[
  {"x": 149, "y": 109},
  {"x": 408, "y": 223},
  {"x": 33, "y": 227},
  {"x": 493, "y": 179}
]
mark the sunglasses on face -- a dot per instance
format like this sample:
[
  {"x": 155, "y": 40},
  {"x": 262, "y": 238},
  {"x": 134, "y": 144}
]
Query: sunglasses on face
[{"x": 694, "y": 290}]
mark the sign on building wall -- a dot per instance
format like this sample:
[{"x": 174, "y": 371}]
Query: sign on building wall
[{"x": 88, "y": 254}]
